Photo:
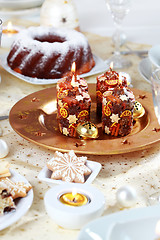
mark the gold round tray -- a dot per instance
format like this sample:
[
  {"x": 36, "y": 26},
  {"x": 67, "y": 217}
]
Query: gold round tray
[{"x": 34, "y": 118}]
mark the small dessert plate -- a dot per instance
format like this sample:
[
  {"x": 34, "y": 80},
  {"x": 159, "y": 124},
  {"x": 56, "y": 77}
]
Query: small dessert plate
[
  {"x": 45, "y": 174},
  {"x": 22, "y": 205}
]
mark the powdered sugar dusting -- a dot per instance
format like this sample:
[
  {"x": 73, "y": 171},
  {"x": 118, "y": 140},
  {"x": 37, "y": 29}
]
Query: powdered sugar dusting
[{"x": 26, "y": 40}]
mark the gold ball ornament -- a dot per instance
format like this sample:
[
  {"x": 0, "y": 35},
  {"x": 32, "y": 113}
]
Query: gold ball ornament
[
  {"x": 87, "y": 130},
  {"x": 138, "y": 111}
]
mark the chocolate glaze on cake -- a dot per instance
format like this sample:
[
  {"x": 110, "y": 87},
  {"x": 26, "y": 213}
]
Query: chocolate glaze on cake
[{"x": 48, "y": 53}]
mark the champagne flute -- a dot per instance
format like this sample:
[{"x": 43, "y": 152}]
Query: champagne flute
[
  {"x": 119, "y": 9},
  {"x": 155, "y": 82}
]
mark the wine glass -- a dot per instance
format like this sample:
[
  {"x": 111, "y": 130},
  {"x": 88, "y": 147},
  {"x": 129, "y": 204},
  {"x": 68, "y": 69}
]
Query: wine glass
[
  {"x": 155, "y": 80},
  {"x": 119, "y": 9},
  {"x": 155, "y": 83},
  {"x": 0, "y": 38}
]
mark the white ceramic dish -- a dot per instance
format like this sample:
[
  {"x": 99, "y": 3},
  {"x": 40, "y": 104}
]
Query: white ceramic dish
[
  {"x": 7, "y": 14},
  {"x": 99, "y": 67},
  {"x": 74, "y": 217},
  {"x": 105, "y": 227},
  {"x": 154, "y": 55},
  {"x": 22, "y": 205},
  {"x": 20, "y": 4},
  {"x": 134, "y": 230},
  {"x": 45, "y": 174},
  {"x": 145, "y": 69}
]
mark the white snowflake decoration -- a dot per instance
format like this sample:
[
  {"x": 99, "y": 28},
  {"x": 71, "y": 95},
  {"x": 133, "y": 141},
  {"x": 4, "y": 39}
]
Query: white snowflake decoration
[
  {"x": 60, "y": 103},
  {"x": 102, "y": 79},
  {"x": 65, "y": 131},
  {"x": 123, "y": 97},
  {"x": 68, "y": 167},
  {"x": 104, "y": 101},
  {"x": 79, "y": 98},
  {"x": 72, "y": 119},
  {"x": 86, "y": 95},
  {"x": 114, "y": 118},
  {"x": 107, "y": 130}
]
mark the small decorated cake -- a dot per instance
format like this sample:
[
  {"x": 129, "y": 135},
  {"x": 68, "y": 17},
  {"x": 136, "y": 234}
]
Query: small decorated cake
[
  {"x": 73, "y": 103},
  {"x": 104, "y": 82},
  {"x": 117, "y": 110},
  {"x": 68, "y": 167}
]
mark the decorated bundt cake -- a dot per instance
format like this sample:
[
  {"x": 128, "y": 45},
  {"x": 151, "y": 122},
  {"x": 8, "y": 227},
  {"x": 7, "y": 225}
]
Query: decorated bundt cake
[{"x": 48, "y": 53}]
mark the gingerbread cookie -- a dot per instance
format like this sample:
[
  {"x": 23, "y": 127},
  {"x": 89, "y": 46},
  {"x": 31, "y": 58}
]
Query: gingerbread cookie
[
  {"x": 68, "y": 167},
  {"x": 6, "y": 201},
  {"x": 4, "y": 169},
  {"x": 16, "y": 190}
]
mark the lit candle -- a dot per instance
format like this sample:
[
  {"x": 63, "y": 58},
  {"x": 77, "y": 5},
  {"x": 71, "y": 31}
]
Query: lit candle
[
  {"x": 10, "y": 30},
  {"x": 8, "y": 34},
  {"x": 74, "y": 199},
  {"x": 89, "y": 204},
  {"x": 74, "y": 82},
  {"x": 157, "y": 230}
]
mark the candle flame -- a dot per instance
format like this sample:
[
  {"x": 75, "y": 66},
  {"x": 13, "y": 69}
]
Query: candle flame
[
  {"x": 111, "y": 65},
  {"x": 73, "y": 68},
  {"x": 157, "y": 229},
  {"x": 9, "y": 26},
  {"x": 74, "y": 192},
  {"x": 74, "y": 82}
]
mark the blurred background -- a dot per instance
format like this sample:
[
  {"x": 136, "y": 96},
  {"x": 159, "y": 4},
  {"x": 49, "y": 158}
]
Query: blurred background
[{"x": 142, "y": 24}]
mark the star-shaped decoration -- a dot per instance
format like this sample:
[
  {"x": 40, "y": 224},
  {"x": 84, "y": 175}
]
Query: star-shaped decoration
[
  {"x": 107, "y": 130},
  {"x": 23, "y": 116},
  {"x": 85, "y": 95},
  {"x": 60, "y": 103},
  {"x": 65, "y": 131},
  {"x": 114, "y": 118},
  {"x": 156, "y": 129},
  {"x": 58, "y": 88},
  {"x": 39, "y": 134},
  {"x": 102, "y": 79},
  {"x": 68, "y": 167},
  {"x": 72, "y": 119},
  {"x": 79, "y": 98},
  {"x": 142, "y": 96},
  {"x": 83, "y": 82},
  {"x": 104, "y": 101},
  {"x": 35, "y": 99},
  {"x": 123, "y": 97}
]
